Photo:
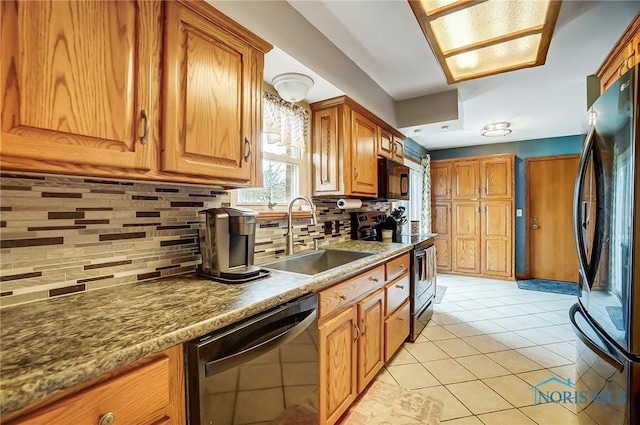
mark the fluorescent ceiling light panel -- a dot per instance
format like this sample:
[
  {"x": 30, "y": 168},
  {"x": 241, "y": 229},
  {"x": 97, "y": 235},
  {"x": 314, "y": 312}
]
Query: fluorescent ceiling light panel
[{"x": 473, "y": 39}]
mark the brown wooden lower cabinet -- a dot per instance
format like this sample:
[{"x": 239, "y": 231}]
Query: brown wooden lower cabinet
[
  {"x": 466, "y": 236},
  {"x": 371, "y": 340},
  {"x": 441, "y": 219},
  {"x": 396, "y": 330},
  {"x": 151, "y": 391},
  {"x": 496, "y": 238}
]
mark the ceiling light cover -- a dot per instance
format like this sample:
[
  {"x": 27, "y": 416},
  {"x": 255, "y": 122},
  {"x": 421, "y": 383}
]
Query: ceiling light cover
[
  {"x": 474, "y": 39},
  {"x": 496, "y": 129},
  {"x": 292, "y": 87}
]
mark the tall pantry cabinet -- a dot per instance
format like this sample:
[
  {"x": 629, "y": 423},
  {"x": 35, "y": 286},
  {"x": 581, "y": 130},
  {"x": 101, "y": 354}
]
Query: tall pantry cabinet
[{"x": 473, "y": 201}]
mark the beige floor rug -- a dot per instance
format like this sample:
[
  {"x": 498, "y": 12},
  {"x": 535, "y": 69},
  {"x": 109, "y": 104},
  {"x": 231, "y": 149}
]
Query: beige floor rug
[{"x": 388, "y": 404}]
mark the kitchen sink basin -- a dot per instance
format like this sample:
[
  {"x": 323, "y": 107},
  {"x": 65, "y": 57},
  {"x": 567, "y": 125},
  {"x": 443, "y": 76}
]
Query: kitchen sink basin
[{"x": 315, "y": 262}]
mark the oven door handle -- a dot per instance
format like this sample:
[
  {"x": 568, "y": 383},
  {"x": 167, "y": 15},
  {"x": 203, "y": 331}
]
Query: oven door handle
[
  {"x": 420, "y": 262},
  {"x": 216, "y": 366}
]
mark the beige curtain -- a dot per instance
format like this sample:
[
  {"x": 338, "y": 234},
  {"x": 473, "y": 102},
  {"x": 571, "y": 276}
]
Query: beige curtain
[
  {"x": 425, "y": 216},
  {"x": 284, "y": 123}
]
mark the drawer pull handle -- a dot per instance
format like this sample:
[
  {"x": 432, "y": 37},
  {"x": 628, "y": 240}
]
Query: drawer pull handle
[
  {"x": 400, "y": 318},
  {"x": 355, "y": 325},
  {"x": 400, "y": 286},
  {"x": 374, "y": 279},
  {"x": 401, "y": 265},
  {"x": 107, "y": 419},
  {"x": 343, "y": 297},
  {"x": 366, "y": 327}
]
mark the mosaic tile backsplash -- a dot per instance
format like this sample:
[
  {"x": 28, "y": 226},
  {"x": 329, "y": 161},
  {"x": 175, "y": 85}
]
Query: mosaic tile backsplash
[{"x": 62, "y": 235}]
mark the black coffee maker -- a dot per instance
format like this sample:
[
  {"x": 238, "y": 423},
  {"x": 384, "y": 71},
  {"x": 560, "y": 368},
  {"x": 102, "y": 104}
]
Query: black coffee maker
[{"x": 368, "y": 226}]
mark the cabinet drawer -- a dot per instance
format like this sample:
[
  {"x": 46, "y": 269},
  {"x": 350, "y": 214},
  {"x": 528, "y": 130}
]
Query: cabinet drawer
[
  {"x": 396, "y": 330},
  {"x": 397, "y": 266},
  {"x": 396, "y": 293},
  {"x": 345, "y": 293},
  {"x": 139, "y": 396}
]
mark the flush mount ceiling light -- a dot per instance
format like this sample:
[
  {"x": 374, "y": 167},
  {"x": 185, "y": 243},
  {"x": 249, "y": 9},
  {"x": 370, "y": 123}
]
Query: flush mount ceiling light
[
  {"x": 473, "y": 39},
  {"x": 496, "y": 129},
  {"x": 292, "y": 87}
]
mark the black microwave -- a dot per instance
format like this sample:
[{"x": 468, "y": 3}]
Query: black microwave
[{"x": 393, "y": 180}]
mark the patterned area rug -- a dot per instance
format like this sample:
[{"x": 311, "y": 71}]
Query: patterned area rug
[
  {"x": 555, "y": 286},
  {"x": 384, "y": 404}
]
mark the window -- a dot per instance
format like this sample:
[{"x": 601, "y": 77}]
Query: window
[{"x": 283, "y": 152}]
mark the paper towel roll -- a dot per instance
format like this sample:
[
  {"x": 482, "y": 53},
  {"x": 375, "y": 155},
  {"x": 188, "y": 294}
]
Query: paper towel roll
[{"x": 345, "y": 204}]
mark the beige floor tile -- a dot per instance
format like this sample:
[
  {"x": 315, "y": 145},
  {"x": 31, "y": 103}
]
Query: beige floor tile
[
  {"x": 452, "y": 406},
  {"x": 512, "y": 340},
  {"x": 471, "y": 420},
  {"x": 488, "y": 327},
  {"x": 550, "y": 414},
  {"x": 485, "y": 343},
  {"x": 445, "y": 319},
  {"x": 537, "y": 376},
  {"x": 482, "y": 366},
  {"x": 457, "y": 348},
  {"x": 436, "y": 333},
  {"x": 514, "y": 361},
  {"x": 462, "y": 329},
  {"x": 385, "y": 376},
  {"x": 538, "y": 336},
  {"x": 506, "y": 417},
  {"x": 544, "y": 357},
  {"x": 565, "y": 349},
  {"x": 568, "y": 371},
  {"x": 426, "y": 351},
  {"x": 478, "y": 397},
  {"x": 513, "y": 389},
  {"x": 402, "y": 356},
  {"x": 412, "y": 376},
  {"x": 449, "y": 371}
]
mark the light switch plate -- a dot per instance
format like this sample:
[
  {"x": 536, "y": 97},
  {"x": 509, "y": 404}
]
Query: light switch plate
[{"x": 518, "y": 212}]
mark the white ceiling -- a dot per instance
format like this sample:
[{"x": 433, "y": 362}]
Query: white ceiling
[{"x": 385, "y": 41}]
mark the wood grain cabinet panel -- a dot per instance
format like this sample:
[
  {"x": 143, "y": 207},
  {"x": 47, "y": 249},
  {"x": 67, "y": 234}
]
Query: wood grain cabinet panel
[
  {"x": 396, "y": 330},
  {"x": 363, "y": 155},
  {"x": 466, "y": 180},
  {"x": 208, "y": 101},
  {"x": 497, "y": 239},
  {"x": 441, "y": 180},
  {"x": 397, "y": 266},
  {"x": 326, "y": 152},
  {"x": 396, "y": 292},
  {"x": 345, "y": 293},
  {"x": 338, "y": 365},
  {"x": 371, "y": 338},
  {"x": 78, "y": 80},
  {"x": 398, "y": 149},
  {"x": 497, "y": 177},
  {"x": 386, "y": 145},
  {"x": 466, "y": 236},
  {"x": 441, "y": 216}
]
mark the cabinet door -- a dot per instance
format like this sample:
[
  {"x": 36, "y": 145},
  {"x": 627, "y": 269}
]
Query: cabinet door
[
  {"x": 338, "y": 365},
  {"x": 441, "y": 180},
  {"x": 442, "y": 226},
  {"x": 326, "y": 154},
  {"x": 370, "y": 343},
  {"x": 398, "y": 150},
  {"x": 386, "y": 145},
  {"x": 497, "y": 238},
  {"x": 208, "y": 99},
  {"x": 364, "y": 170},
  {"x": 466, "y": 180},
  {"x": 497, "y": 177},
  {"x": 396, "y": 330},
  {"x": 75, "y": 78},
  {"x": 466, "y": 237}
]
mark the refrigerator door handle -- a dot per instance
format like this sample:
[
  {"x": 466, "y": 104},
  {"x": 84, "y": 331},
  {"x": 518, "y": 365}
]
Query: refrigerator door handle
[
  {"x": 577, "y": 202},
  {"x": 615, "y": 363}
]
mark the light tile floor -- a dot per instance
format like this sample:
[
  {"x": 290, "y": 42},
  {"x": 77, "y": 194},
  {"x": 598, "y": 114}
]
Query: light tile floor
[{"x": 486, "y": 345}]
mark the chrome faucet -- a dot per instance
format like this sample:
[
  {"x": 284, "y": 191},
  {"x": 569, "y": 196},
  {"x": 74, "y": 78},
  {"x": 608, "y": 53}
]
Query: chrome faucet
[{"x": 289, "y": 250}]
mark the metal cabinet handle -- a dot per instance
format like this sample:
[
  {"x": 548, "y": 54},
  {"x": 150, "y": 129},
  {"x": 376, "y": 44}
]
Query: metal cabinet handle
[
  {"x": 400, "y": 286},
  {"x": 247, "y": 143},
  {"x": 401, "y": 318},
  {"x": 535, "y": 227},
  {"x": 366, "y": 327},
  {"x": 343, "y": 297},
  {"x": 107, "y": 419},
  {"x": 355, "y": 171},
  {"x": 401, "y": 265},
  {"x": 355, "y": 325},
  {"x": 373, "y": 279},
  {"x": 147, "y": 127}
]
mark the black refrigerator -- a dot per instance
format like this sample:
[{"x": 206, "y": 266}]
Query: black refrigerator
[{"x": 606, "y": 317}]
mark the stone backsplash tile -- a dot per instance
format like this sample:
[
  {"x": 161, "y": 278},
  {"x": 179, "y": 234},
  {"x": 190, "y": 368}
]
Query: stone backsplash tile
[{"x": 62, "y": 235}]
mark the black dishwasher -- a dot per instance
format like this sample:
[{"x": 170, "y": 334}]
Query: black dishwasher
[{"x": 263, "y": 369}]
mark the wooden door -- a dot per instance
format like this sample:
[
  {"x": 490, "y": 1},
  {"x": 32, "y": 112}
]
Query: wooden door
[
  {"x": 466, "y": 237},
  {"x": 497, "y": 238},
  {"x": 552, "y": 251},
  {"x": 364, "y": 170},
  {"x": 338, "y": 365},
  {"x": 497, "y": 177},
  {"x": 441, "y": 225},
  {"x": 385, "y": 144},
  {"x": 398, "y": 149},
  {"x": 466, "y": 180},
  {"x": 326, "y": 154},
  {"x": 208, "y": 99},
  {"x": 441, "y": 180},
  {"x": 76, "y": 78},
  {"x": 371, "y": 342}
]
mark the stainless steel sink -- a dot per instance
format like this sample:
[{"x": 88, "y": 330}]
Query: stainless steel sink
[{"x": 315, "y": 262}]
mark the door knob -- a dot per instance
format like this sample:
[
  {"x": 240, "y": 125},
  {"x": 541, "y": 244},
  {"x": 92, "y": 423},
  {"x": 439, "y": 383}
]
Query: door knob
[{"x": 534, "y": 227}]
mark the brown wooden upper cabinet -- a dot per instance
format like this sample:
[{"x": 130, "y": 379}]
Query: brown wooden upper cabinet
[
  {"x": 346, "y": 142},
  {"x": 441, "y": 180},
  {"x": 466, "y": 180},
  {"x": 497, "y": 177},
  {"x": 624, "y": 55},
  {"x": 95, "y": 106}
]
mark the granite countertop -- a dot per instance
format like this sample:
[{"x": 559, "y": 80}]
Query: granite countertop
[{"x": 52, "y": 345}]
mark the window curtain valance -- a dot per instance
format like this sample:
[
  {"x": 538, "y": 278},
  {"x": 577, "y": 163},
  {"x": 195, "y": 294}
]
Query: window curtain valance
[{"x": 284, "y": 123}]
